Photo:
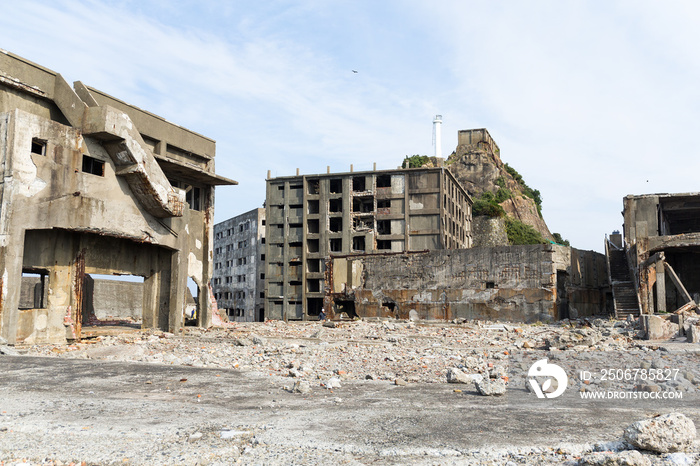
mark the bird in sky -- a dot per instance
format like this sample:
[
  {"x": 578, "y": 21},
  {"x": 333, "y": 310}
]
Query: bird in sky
[{"x": 354, "y": 71}]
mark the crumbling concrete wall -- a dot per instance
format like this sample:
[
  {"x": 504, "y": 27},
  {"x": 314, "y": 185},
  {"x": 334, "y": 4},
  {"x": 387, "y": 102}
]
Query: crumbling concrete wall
[
  {"x": 510, "y": 283},
  {"x": 85, "y": 190},
  {"x": 489, "y": 231}
]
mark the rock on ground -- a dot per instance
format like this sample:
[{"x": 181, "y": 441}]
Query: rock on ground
[
  {"x": 623, "y": 458},
  {"x": 664, "y": 434},
  {"x": 491, "y": 387}
]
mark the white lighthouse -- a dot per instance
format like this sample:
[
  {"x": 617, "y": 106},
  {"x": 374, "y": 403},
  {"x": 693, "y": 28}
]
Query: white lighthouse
[{"x": 437, "y": 135}]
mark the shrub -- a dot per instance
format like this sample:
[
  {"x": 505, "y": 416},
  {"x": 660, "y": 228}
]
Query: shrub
[
  {"x": 521, "y": 233},
  {"x": 559, "y": 240},
  {"x": 416, "y": 161},
  {"x": 487, "y": 205}
]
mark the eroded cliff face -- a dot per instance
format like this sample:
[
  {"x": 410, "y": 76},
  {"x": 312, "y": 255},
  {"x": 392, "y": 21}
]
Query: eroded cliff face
[{"x": 476, "y": 163}]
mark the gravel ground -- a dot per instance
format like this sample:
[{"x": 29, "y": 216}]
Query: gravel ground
[{"x": 305, "y": 360}]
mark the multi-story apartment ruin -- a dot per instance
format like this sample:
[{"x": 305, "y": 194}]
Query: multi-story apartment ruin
[
  {"x": 92, "y": 185},
  {"x": 654, "y": 264},
  {"x": 239, "y": 274},
  {"x": 313, "y": 217}
]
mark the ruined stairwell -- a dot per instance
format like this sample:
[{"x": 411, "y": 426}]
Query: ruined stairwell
[{"x": 624, "y": 292}]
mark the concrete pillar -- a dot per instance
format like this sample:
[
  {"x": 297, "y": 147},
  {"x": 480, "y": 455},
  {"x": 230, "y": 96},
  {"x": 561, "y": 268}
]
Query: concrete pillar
[
  {"x": 660, "y": 287},
  {"x": 172, "y": 322}
]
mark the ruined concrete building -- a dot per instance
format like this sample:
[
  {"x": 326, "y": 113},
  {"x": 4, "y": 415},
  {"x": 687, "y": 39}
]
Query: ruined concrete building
[
  {"x": 655, "y": 267},
  {"x": 239, "y": 266},
  {"x": 92, "y": 185},
  {"x": 311, "y": 217},
  {"x": 510, "y": 283}
]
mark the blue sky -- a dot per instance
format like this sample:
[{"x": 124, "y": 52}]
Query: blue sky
[{"x": 589, "y": 101}]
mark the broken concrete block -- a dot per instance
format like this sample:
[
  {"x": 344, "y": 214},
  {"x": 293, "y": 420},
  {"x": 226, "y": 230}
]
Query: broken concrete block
[
  {"x": 658, "y": 328},
  {"x": 8, "y": 350},
  {"x": 488, "y": 387},
  {"x": 333, "y": 382},
  {"x": 301, "y": 386},
  {"x": 693, "y": 334},
  {"x": 329, "y": 324},
  {"x": 609, "y": 458},
  {"x": 663, "y": 434},
  {"x": 455, "y": 375}
]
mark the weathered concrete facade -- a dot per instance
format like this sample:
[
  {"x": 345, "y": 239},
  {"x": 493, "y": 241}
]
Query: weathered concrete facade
[
  {"x": 313, "y": 217},
  {"x": 93, "y": 185},
  {"x": 509, "y": 283},
  {"x": 662, "y": 245},
  {"x": 239, "y": 266}
]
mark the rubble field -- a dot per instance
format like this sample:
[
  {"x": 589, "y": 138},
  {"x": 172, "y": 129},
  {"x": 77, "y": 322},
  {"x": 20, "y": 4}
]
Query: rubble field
[{"x": 469, "y": 360}]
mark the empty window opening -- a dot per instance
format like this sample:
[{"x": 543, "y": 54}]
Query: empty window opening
[
  {"x": 384, "y": 244},
  {"x": 312, "y": 186},
  {"x": 312, "y": 226},
  {"x": 313, "y": 206},
  {"x": 490, "y": 285},
  {"x": 193, "y": 197},
  {"x": 345, "y": 309},
  {"x": 384, "y": 181},
  {"x": 312, "y": 245},
  {"x": 383, "y": 227},
  {"x": 313, "y": 286},
  {"x": 38, "y": 146},
  {"x": 335, "y": 186},
  {"x": 335, "y": 205},
  {"x": 313, "y": 265},
  {"x": 93, "y": 166},
  {"x": 383, "y": 206},
  {"x": 33, "y": 289},
  {"x": 336, "y": 244},
  {"x": 314, "y": 306},
  {"x": 363, "y": 204},
  {"x": 363, "y": 223},
  {"x": 358, "y": 183},
  {"x": 358, "y": 243},
  {"x": 335, "y": 224},
  {"x": 112, "y": 300}
]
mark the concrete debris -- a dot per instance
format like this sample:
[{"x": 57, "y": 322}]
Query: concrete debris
[
  {"x": 693, "y": 334},
  {"x": 489, "y": 387},
  {"x": 8, "y": 350},
  {"x": 329, "y": 324},
  {"x": 622, "y": 458},
  {"x": 664, "y": 434},
  {"x": 658, "y": 328},
  {"x": 455, "y": 375},
  {"x": 302, "y": 386},
  {"x": 333, "y": 382}
]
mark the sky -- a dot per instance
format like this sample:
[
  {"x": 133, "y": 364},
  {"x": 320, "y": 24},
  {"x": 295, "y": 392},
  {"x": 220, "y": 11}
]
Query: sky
[{"x": 589, "y": 101}]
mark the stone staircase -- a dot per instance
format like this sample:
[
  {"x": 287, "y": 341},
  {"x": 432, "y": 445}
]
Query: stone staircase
[{"x": 624, "y": 292}]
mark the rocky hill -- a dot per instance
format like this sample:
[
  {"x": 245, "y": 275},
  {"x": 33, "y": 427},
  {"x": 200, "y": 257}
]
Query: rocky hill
[{"x": 476, "y": 163}]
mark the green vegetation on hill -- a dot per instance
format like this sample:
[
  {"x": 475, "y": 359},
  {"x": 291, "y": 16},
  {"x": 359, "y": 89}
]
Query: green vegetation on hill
[
  {"x": 521, "y": 233},
  {"x": 559, "y": 240},
  {"x": 416, "y": 161},
  {"x": 487, "y": 205}
]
